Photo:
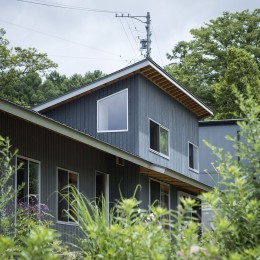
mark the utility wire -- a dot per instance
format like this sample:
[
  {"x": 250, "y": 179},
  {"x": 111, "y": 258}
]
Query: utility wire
[
  {"x": 132, "y": 34},
  {"x": 157, "y": 45},
  {"x": 78, "y": 8},
  {"x": 128, "y": 37},
  {"x": 66, "y": 40}
]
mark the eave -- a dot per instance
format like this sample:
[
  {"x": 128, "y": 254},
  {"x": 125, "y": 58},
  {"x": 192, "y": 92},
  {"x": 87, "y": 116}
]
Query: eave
[
  {"x": 146, "y": 167},
  {"x": 152, "y": 72}
]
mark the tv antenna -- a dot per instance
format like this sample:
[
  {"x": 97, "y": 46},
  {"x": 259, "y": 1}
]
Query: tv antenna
[{"x": 145, "y": 43}]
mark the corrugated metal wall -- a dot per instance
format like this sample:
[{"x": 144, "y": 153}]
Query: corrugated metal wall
[
  {"x": 53, "y": 150},
  {"x": 81, "y": 114},
  {"x": 182, "y": 124}
]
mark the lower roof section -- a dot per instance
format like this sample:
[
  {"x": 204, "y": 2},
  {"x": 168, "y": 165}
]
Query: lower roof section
[{"x": 146, "y": 167}]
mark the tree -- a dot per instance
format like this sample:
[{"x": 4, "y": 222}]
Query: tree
[
  {"x": 22, "y": 71},
  {"x": 242, "y": 74},
  {"x": 235, "y": 200},
  {"x": 200, "y": 63},
  {"x": 17, "y": 63}
]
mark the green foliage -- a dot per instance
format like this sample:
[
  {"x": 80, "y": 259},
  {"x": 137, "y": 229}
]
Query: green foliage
[
  {"x": 242, "y": 74},
  {"x": 201, "y": 62},
  {"x": 17, "y": 63},
  {"x": 26, "y": 234},
  {"x": 7, "y": 193},
  {"x": 130, "y": 232},
  {"x": 22, "y": 71},
  {"x": 236, "y": 199}
]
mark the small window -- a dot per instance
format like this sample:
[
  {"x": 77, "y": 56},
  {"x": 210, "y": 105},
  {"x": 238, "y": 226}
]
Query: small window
[
  {"x": 112, "y": 112},
  {"x": 159, "y": 140},
  {"x": 28, "y": 181},
  {"x": 193, "y": 157},
  {"x": 65, "y": 178},
  {"x": 159, "y": 194}
]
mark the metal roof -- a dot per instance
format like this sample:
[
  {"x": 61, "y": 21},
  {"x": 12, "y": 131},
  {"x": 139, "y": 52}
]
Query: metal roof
[{"x": 149, "y": 69}]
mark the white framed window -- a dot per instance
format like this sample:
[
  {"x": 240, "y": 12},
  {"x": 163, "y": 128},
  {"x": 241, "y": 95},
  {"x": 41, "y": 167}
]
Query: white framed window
[
  {"x": 193, "y": 152},
  {"x": 65, "y": 178},
  {"x": 159, "y": 139},
  {"x": 112, "y": 113},
  {"x": 28, "y": 181},
  {"x": 159, "y": 194}
]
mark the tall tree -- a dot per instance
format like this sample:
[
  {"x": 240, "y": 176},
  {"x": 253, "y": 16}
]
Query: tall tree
[
  {"x": 242, "y": 75},
  {"x": 199, "y": 63},
  {"x": 17, "y": 63}
]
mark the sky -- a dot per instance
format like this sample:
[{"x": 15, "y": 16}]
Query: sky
[{"x": 86, "y": 35}]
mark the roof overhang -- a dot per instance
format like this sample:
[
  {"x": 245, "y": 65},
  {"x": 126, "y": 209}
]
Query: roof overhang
[
  {"x": 54, "y": 126},
  {"x": 152, "y": 72}
]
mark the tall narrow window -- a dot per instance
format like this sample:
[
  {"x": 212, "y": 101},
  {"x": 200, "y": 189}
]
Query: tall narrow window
[
  {"x": 159, "y": 140},
  {"x": 159, "y": 194},
  {"x": 65, "y": 178},
  {"x": 102, "y": 190},
  {"x": 193, "y": 157},
  {"x": 112, "y": 112},
  {"x": 28, "y": 181}
]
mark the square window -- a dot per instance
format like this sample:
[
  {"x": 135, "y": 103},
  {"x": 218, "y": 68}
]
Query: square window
[
  {"x": 112, "y": 112},
  {"x": 193, "y": 157},
  {"x": 159, "y": 138},
  {"x": 65, "y": 178}
]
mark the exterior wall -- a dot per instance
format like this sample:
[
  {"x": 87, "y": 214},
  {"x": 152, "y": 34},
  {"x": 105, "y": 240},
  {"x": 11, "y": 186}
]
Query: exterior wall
[
  {"x": 146, "y": 101},
  {"x": 215, "y": 134},
  {"x": 155, "y": 104},
  {"x": 81, "y": 114},
  {"x": 53, "y": 150}
]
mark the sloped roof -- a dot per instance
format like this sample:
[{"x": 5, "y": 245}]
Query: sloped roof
[
  {"x": 146, "y": 167},
  {"x": 149, "y": 69}
]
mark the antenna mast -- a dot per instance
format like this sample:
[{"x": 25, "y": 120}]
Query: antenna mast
[{"x": 145, "y": 43}]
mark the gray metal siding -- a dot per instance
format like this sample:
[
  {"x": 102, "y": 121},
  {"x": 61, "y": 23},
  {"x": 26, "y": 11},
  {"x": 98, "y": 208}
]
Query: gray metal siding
[
  {"x": 81, "y": 114},
  {"x": 53, "y": 150},
  {"x": 182, "y": 124},
  {"x": 215, "y": 135}
]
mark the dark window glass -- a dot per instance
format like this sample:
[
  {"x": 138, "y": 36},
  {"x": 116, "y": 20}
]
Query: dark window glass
[
  {"x": 154, "y": 136},
  {"x": 28, "y": 181},
  {"x": 65, "y": 178},
  {"x": 191, "y": 156}
]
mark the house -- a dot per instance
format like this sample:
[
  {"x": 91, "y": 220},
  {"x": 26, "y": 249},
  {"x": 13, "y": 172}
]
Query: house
[
  {"x": 137, "y": 126},
  {"x": 214, "y": 132}
]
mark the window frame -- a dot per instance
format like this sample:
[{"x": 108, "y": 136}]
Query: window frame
[
  {"x": 106, "y": 195},
  {"x": 197, "y": 161},
  {"x": 127, "y": 117},
  {"x": 161, "y": 183},
  {"x": 16, "y": 181},
  {"x": 168, "y": 143},
  {"x": 57, "y": 200}
]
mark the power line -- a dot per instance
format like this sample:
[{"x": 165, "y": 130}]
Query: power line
[
  {"x": 60, "y": 38},
  {"x": 71, "y": 7},
  {"x": 157, "y": 45},
  {"x": 132, "y": 34},
  {"x": 128, "y": 38}
]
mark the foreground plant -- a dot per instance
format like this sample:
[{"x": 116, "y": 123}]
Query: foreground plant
[{"x": 235, "y": 201}]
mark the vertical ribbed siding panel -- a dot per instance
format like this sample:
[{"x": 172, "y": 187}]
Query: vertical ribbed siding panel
[
  {"x": 81, "y": 114},
  {"x": 53, "y": 150},
  {"x": 182, "y": 124}
]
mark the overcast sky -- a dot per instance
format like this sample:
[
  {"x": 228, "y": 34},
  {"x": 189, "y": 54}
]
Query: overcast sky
[{"x": 80, "y": 40}]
